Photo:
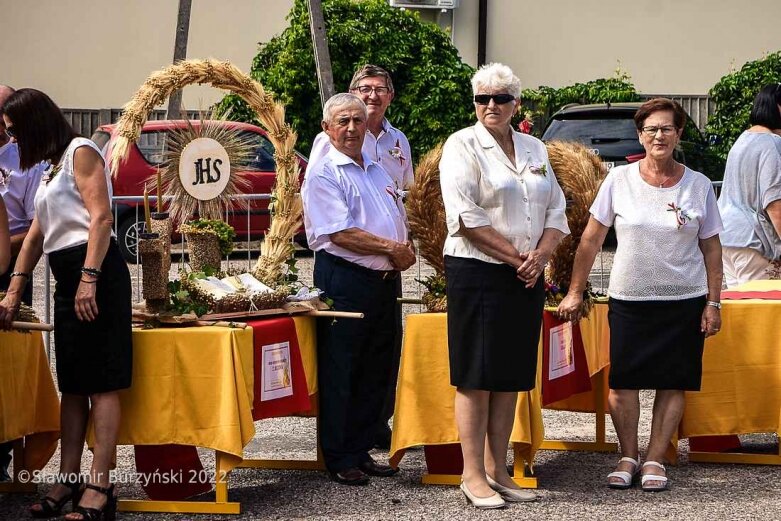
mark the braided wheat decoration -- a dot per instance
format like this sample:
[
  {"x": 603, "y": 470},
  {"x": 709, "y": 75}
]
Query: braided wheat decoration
[{"x": 286, "y": 206}]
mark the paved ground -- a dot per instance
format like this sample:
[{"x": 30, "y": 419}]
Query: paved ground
[{"x": 572, "y": 483}]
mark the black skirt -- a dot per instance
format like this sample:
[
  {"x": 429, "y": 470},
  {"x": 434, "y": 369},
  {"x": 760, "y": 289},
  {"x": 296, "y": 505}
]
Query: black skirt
[
  {"x": 656, "y": 344},
  {"x": 92, "y": 357},
  {"x": 493, "y": 326}
]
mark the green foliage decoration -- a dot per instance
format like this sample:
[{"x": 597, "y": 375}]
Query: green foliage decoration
[
  {"x": 734, "y": 95},
  {"x": 432, "y": 84}
]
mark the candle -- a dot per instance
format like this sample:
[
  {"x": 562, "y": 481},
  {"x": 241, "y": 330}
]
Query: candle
[
  {"x": 159, "y": 192},
  {"x": 147, "y": 216}
]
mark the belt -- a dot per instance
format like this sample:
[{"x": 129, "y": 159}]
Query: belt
[{"x": 380, "y": 274}]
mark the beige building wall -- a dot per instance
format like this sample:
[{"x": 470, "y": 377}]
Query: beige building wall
[
  {"x": 96, "y": 53},
  {"x": 667, "y": 46}
]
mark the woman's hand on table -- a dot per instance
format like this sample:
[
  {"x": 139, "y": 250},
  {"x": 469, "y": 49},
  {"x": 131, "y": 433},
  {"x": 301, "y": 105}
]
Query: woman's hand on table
[
  {"x": 532, "y": 266},
  {"x": 85, "y": 304},
  {"x": 569, "y": 308},
  {"x": 711, "y": 321},
  {"x": 9, "y": 306}
]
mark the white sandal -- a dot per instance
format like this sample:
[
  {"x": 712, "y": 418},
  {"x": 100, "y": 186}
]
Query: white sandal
[
  {"x": 654, "y": 477},
  {"x": 626, "y": 477}
]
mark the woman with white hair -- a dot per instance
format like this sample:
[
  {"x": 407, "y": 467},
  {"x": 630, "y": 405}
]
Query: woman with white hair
[{"x": 505, "y": 216}]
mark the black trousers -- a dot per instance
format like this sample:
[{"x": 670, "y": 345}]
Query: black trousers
[
  {"x": 354, "y": 358},
  {"x": 390, "y": 397}
]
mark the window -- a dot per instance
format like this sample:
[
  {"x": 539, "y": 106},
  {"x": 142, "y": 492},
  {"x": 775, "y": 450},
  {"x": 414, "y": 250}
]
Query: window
[
  {"x": 591, "y": 131},
  {"x": 152, "y": 146},
  {"x": 263, "y": 152}
]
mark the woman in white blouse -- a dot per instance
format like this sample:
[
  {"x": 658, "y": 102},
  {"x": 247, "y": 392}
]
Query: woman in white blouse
[
  {"x": 665, "y": 286},
  {"x": 505, "y": 216},
  {"x": 92, "y": 314}
]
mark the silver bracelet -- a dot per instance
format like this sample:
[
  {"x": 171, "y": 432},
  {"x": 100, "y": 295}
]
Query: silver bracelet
[{"x": 713, "y": 303}]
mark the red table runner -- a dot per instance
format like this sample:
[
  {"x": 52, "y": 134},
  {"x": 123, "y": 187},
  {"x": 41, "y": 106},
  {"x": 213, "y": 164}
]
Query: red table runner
[
  {"x": 278, "y": 336},
  {"x": 742, "y": 295}
]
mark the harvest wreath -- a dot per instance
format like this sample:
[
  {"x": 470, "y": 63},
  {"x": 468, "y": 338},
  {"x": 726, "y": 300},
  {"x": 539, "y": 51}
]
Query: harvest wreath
[{"x": 206, "y": 288}]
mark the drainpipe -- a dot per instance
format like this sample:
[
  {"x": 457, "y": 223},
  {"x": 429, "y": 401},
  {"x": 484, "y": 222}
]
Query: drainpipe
[{"x": 482, "y": 22}]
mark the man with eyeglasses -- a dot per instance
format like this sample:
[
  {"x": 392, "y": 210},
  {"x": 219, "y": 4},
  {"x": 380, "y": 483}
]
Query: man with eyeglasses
[
  {"x": 17, "y": 188},
  {"x": 388, "y": 146},
  {"x": 384, "y": 143}
]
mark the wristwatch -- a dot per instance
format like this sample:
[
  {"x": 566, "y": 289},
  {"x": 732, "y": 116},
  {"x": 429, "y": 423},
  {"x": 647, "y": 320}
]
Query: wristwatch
[{"x": 713, "y": 303}]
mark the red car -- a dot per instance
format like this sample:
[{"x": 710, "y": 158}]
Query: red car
[{"x": 147, "y": 153}]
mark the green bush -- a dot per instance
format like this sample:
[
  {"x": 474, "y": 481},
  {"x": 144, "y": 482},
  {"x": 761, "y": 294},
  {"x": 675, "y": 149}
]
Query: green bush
[
  {"x": 433, "y": 93},
  {"x": 734, "y": 94},
  {"x": 545, "y": 101}
]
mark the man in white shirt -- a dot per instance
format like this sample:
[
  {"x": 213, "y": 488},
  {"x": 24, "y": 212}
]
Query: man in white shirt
[
  {"x": 17, "y": 188},
  {"x": 388, "y": 146},
  {"x": 384, "y": 143},
  {"x": 356, "y": 224}
]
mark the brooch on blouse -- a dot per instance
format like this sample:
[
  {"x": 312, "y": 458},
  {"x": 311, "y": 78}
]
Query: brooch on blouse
[
  {"x": 394, "y": 192},
  {"x": 50, "y": 173},
  {"x": 681, "y": 217},
  {"x": 397, "y": 154},
  {"x": 4, "y": 175},
  {"x": 539, "y": 169}
]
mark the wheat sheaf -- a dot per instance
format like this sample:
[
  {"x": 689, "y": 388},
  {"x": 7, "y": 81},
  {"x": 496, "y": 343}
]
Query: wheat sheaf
[
  {"x": 426, "y": 210},
  {"x": 286, "y": 208}
]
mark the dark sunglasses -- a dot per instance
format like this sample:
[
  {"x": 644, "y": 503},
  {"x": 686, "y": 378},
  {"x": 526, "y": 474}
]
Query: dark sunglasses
[
  {"x": 10, "y": 132},
  {"x": 499, "y": 99}
]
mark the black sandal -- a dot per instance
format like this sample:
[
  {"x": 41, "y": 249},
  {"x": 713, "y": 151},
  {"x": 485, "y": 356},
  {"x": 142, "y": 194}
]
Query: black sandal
[
  {"x": 51, "y": 507},
  {"x": 107, "y": 513}
]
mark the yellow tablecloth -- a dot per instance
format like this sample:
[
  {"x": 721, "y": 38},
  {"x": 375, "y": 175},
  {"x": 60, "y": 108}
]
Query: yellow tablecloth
[
  {"x": 191, "y": 386},
  {"x": 741, "y": 381},
  {"x": 424, "y": 412},
  {"x": 29, "y": 403},
  {"x": 306, "y": 330}
]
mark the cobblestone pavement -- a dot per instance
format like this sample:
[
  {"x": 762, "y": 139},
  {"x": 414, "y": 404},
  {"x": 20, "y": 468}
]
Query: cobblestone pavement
[{"x": 572, "y": 484}]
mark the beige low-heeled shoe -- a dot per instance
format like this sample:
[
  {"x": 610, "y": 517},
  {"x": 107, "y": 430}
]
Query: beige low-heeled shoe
[
  {"x": 512, "y": 495},
  {"x": 494, "y": 501}
]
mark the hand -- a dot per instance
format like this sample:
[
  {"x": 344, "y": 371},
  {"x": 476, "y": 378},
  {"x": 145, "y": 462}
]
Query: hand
[
  {"x": 401, "y": 256},
  {"x": 711, "y": 321},
  {"x": 532, "y": 266},
  {"x": 411, "y": 246},
  {"x": 569, "y": 308},
  {"x": 9, "y": 307},
  {"x": 86, "y": 306}
]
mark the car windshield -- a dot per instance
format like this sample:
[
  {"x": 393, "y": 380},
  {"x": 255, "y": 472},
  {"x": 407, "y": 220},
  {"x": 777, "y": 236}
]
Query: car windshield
[{"x": 591, "y": 131}]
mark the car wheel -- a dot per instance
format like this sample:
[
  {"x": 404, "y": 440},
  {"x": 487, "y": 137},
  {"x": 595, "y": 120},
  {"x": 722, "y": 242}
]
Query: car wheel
[{"x": 127, "y": 237}]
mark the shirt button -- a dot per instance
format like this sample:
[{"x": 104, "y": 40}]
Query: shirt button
[
  {"x": 525, "y": 199},
  {"x": 528, "y": 218}
]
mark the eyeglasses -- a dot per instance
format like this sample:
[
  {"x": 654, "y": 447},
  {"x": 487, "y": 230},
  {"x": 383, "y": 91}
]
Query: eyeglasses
[
  {"x": 10, "y": 132},
  {"x": 499, "y": 99},
  {"x": 666, "y": 130},
  {"x": 368, "y": 89}
]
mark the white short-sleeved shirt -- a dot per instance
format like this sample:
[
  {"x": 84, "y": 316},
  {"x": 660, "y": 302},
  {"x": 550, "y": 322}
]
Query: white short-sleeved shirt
[
  {"x": 658, "y": 231},
  {"x": 481, "y": 187},
  {"x": 17, "y": 188},
  {"x": 390, "y": 149},
  {"x": 59, "y": 208},
  {"x": 338, "y": 194}
]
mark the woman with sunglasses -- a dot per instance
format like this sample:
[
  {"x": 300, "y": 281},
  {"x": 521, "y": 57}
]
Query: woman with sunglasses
[
  {"x": 750, "y": 200},
  {"x": 92, "y": 314},
  {"x": 505, "y": 216},
  {"x": 665, "y": 287}
]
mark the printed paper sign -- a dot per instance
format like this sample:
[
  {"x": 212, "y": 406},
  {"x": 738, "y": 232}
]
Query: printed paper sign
[
  {"x": 277, "y": 374},
  {"x": 561, "y": 359}
]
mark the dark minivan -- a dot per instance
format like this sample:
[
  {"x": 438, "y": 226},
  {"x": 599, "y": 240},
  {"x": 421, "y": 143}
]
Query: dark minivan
[{"x": 609, "y": 131}]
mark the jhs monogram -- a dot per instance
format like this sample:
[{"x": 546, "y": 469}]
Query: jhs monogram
[{"x": 200, "y": 171}]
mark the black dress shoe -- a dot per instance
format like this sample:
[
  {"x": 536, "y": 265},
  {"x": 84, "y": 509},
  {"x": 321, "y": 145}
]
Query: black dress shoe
[
  {"x": 352, "y": 476},
  {"x": 373, "y": 468}
]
